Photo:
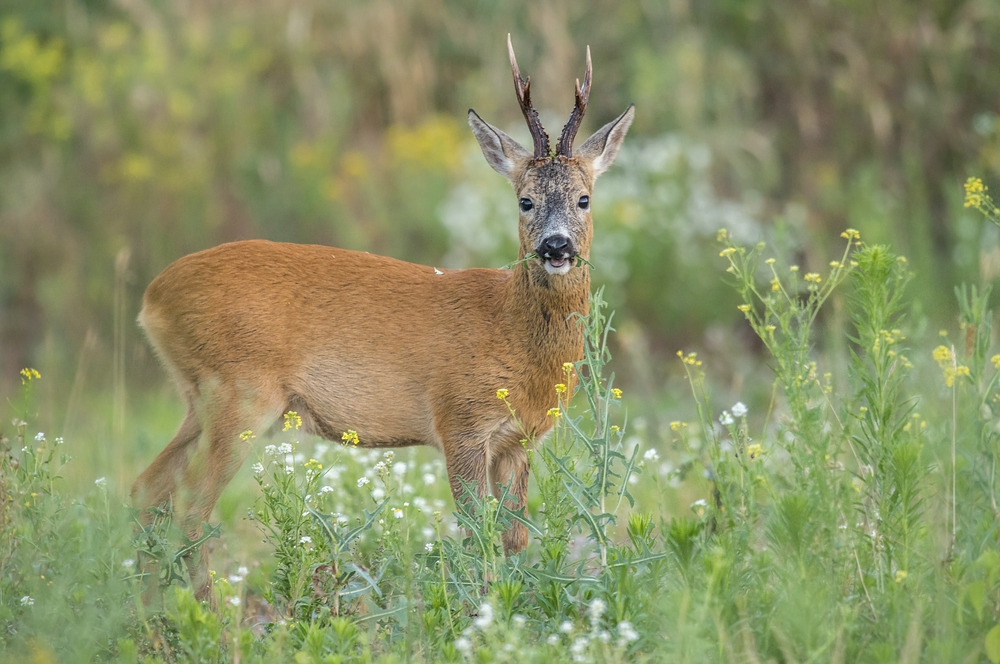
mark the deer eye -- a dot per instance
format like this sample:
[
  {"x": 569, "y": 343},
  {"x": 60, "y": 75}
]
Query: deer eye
[
  {"x": 526, "y": 204},
  {"x": 584, "y": 202}
]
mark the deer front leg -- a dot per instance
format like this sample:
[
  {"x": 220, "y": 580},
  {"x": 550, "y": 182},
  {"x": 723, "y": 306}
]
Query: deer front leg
[
  {"x": 467, "y": 462},
  {"x": 510, "y": 467}
]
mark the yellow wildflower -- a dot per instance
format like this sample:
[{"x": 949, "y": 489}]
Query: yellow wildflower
[
  {"x": 553, "y": 412},
  {"x": 901, "y": 575},
  {"x": 728, "y": 251},
  {"x": 350, "y": 437},
  {"x": 28, "y": 375},
  {"x": 794, "y": 268},
  {"x": 247, "y": 435},
  {"x": 775, "y": 284},
  {"x": 851, "y": 234},
  {"x": 292, "y": 421},
  {"x": 616, "y": 392},
  {"x": 313, "y": 464},
  {"x": 901, "y": 259},
  {"x": 615, "y": 428},
  {"x": 721, "y": 235},
  {"x": 744, "y": 308},
  {"x": 502, "y": 393},
  {"x": 974, "y": 192},
  {"x": 561, "y": 388},
  {"x": 996, "y": 361},
  {"x": 836, "y": 265},
  {"x": 814, "y": 277},
  {"x": 770, "y": 329},
  {"x": 769, "y": 261},
  {"x": 567, "y": 367},
  {"x": 677, "y": 425},
  {"x": 753, "y": 451},
  {"x": 942, "y": 354}
]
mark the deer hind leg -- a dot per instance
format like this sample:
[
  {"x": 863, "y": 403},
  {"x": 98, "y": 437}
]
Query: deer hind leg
[
  {"x": 158, "y": 483},
  {"x": 211, "y": 467},
  {"x": 509, "y": 467}
]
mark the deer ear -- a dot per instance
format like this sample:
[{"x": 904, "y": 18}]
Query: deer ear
[
  {"x": 602, "y": 148},
  {"x": 502, "y": 152}
]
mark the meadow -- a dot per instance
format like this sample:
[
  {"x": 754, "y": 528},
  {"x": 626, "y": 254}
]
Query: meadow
[
  {"x": 783, "y": 443},
  {"x": 851, "y": 516}
]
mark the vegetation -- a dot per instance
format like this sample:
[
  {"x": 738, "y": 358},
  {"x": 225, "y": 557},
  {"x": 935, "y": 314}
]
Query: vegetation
[
  {"x": 814, "y": 478},
  {"x": 840, "y": 532}
]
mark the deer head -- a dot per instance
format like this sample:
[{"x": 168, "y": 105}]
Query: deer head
[{"x": 553, "y": 190}]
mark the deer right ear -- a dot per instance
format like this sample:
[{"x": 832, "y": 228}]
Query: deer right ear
[{"x": 502, "y": 152}]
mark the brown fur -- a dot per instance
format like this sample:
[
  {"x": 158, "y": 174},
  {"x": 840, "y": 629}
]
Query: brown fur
[{"x": 396, "y": 351}]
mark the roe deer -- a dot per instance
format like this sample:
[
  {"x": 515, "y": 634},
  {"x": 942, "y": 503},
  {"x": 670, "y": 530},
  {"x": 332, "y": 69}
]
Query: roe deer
[{"x": 403, "y": 354}]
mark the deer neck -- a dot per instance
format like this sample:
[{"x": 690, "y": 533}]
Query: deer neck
[{"x": 539, "y": 309}]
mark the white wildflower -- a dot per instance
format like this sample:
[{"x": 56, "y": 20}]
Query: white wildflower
[
  {"x": 429, "y": 547},
  {"x": 60, "y": 441},
  {"x": 485, "y": 617},
  {"x": 651, "y": 455},
  {"x": 398, "y": 513},
  {"x": 305, "y": 539},
  {"x": 325, "y": 489},
  {"x": 407, "y": 490},
  {"x": 342, "y": 520},
  {"x": 101, "y": 482},
  {"x": 289, "y": 469},
  {"x": 39, "y": 437},
  {"x": 363, "y": 481},
  {"x": 553, "y": 640},
  {"x": 626, "y": 633},
  {"x": 235, "y": 578},
  {"x": 579, "y": 647},
  {"x": 380, "y": 467},
  {"x": 566, "y": 627},
  {"x": 258, "y": 468},
  {"x": 389, "y": 456},
  {"x": 270, "y": 450},
  {"x": 428, "y": 532},
  {"x": 378, "y": 494},
  {"x": 299, "y": 458},
  {"x": 739, "y": 409},
  {"x": 430, "y": 478},
  {"x": 518, "y": 620},
  {"x": 27, "y": 600},
  {"x": 128, "y": 563},
  {"x": 320, "y": 450},
  {"x": 399, "y": 469},
  {"x": 596, "y": 609},
  {"x": 701, "y": 502},
  {"x": 284, "y": 448},
  {"x": 242, "y": 570},
  {"x": 604, "y": 636},
  {"x": 463, "y": 645},
  {"x": 726, "y": 419},
  {"x": 235, "y": 601}
]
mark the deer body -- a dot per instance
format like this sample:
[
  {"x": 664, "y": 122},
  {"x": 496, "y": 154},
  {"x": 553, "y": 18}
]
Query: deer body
[{"x": 403, "y": 354}]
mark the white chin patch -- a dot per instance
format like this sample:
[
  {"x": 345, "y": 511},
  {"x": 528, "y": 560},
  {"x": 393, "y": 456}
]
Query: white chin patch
[{"x": 558, "y": 266}]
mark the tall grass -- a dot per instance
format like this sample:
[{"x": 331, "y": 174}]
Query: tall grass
[{"x": 851, "y": 518}]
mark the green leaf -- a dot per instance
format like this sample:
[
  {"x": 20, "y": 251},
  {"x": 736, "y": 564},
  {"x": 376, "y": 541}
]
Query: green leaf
[{"x": 993, "y": 644}]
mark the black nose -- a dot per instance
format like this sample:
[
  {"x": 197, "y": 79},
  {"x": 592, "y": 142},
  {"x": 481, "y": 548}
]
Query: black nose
[{"x": 555, "y": 246}]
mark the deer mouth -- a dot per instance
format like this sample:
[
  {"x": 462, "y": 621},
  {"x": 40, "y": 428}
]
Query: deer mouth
[{"x": 558, "y": 265}]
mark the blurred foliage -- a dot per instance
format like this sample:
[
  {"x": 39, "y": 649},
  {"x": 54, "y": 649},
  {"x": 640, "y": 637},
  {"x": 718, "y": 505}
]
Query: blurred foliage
[{"x": 136, "y": 131}]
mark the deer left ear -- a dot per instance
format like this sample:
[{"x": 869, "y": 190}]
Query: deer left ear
[{"x": 602, "y": 148}]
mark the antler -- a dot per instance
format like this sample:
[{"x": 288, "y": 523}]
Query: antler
[
  {"x": 582, "y": 95},
  {"x": 522, "y": 86}
]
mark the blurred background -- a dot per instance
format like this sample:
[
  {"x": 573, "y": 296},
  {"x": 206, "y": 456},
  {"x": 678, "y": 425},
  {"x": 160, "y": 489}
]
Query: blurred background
[{"x": 136, "y": 131}]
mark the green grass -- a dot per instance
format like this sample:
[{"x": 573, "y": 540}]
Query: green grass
[{"x": 849, "y": 515}]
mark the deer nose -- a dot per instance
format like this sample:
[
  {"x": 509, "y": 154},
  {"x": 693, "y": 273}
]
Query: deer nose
[{"x": 556, "y": 246}]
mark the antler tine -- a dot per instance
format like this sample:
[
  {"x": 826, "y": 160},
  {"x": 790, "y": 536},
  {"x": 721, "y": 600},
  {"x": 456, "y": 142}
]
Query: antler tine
[
  {"x": 576, "y": 117},
  {"x": 522, "y": 86}
]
